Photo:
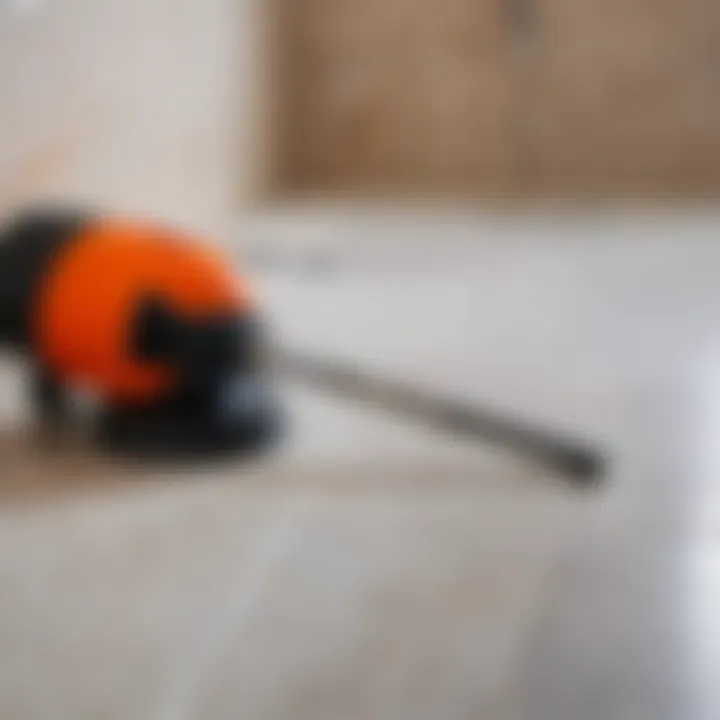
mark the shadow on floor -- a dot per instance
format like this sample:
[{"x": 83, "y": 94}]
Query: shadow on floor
[{"x": 37, "y": 469}]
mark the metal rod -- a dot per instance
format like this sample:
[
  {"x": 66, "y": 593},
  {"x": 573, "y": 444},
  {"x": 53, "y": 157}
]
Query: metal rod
[{"x": 577, "y": 462}]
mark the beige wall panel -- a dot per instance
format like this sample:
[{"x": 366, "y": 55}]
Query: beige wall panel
[
  {"x": 415, "y": 95},
  {"x": 625, "y": 97}
]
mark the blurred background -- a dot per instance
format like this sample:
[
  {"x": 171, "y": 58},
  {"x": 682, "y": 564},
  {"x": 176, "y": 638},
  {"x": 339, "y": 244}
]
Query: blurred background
[{"x": 509, "y": 201}]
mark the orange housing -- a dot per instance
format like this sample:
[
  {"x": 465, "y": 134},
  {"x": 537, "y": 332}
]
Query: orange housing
[{"x": 85, "y": 309}]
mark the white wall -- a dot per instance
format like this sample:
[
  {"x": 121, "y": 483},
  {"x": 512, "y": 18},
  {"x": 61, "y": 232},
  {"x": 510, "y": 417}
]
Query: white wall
[{"x": 135, "y": 104}]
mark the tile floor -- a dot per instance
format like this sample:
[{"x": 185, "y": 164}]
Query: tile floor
[{"x": 376, "y": 570}]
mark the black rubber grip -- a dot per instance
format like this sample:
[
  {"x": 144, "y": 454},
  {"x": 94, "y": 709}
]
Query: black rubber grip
[{"x": 29, "y": 242}]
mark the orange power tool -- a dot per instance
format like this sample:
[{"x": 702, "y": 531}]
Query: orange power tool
[{"x": 161, "y": 331}]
